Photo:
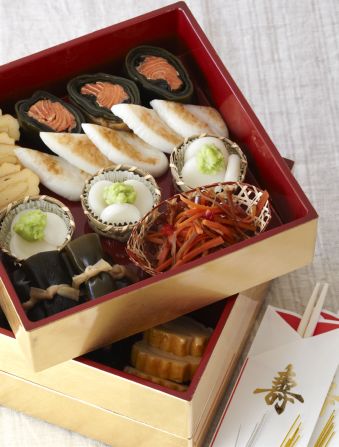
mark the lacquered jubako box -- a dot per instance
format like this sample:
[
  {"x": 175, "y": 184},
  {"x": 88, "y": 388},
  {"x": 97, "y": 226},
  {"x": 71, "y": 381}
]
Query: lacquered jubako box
[
  {"x": 109, "y": 405},
  {"x": 287, "y": 244}
]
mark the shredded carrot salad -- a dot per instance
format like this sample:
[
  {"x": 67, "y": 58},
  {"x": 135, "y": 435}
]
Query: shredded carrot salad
[{"x": 194, "y": 228}]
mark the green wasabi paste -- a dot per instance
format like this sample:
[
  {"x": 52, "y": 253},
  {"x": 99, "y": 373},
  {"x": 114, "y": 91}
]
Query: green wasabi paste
[
  {"x": 31, "y": 225},
  {"x": 119, "y": 193},
  {"x": 210, "y": 160}
]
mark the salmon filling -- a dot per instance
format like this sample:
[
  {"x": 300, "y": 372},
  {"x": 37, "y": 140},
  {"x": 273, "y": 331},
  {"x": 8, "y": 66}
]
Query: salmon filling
[
  {"x": 106, "y": 94},
  {"x": 53, "y": 115},
  {"x": 157, "y": 68}
]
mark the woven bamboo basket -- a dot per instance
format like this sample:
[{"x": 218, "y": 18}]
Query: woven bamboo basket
[
  {"x": 41, "y": 202},
  {"x": 177, "y": 159},
  {"x": 245, "y": 195},
  {"x": 117, "y": 173}
]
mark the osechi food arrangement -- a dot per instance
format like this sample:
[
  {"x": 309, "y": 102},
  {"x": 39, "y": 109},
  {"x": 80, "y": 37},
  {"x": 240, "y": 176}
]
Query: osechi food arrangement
[{"x": 115, "y": 160}]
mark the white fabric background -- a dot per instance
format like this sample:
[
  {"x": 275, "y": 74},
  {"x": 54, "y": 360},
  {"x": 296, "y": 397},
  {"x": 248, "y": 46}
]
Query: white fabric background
[{"x": 284, "y": 56}]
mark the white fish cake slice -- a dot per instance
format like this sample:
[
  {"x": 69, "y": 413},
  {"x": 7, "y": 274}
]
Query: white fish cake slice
[
  {"x": 77, "y": 149},
  {"x": 188, "y": 120},
  {"x": 126, "y": 148},
  {"x": 210, "y": 116},
  {"x": 54, "y": 172},
  {"x": 148, "y": 126}
]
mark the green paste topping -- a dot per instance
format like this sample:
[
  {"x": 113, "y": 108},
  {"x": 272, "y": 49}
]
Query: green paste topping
[
  {"x": 31, "y": 225},
  {"x": 119, "y": 193},
  {"x": 210, "y": 160}
]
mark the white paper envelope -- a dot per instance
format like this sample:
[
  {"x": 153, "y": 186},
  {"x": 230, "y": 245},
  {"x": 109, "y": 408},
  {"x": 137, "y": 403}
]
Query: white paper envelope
[{"x": 285, "y": 376}]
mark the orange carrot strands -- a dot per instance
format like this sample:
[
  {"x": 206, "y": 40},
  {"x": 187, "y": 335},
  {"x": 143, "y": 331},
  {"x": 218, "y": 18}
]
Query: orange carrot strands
[
  {"x": 188, "y": 221},
  {"x": 198, "y": 228},
  {"x": 191, "y": 204},
  {"x": 206, "y": 246},
  {"x": 186, "y": 246},
  {"x": 164, "y": 265},
  {"x": 219, "y": 228}
]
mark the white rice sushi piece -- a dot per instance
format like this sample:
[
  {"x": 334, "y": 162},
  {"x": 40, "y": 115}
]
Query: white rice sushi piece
[
  {"x": 120, "y": 214},
  {"x": 192, "y": 177},
  {"x": 196, "y": 145},
  {"x": 126, "y": 148},
  {"x": 148, "y": 126},
  {"x": 188, "y": 120},
  {"x": 54, "y": 172},
  {"x": 77, "y": 149}
]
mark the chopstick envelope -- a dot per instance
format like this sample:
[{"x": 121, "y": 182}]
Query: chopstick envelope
[{"x": 285, "y": 376}]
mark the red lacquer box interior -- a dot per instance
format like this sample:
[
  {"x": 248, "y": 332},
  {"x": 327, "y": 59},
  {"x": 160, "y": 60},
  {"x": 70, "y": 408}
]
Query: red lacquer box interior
[{"x": 287, "y": 244}]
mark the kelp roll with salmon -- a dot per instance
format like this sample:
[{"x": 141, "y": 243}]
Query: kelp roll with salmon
[
  {"x": 96, "y": 94},
  {"x": 46, "y": 112},
  {"x": 159, "y": 73}
]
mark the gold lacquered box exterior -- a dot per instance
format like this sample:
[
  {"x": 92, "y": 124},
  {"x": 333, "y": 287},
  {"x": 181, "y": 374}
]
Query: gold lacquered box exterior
[
  {"x": 150, "y": 414},
  {"x": 206, "y": 284}
]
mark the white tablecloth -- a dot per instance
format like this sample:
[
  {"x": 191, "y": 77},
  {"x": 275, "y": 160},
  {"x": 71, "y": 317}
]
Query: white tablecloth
[{"x": 284, "y": 56}]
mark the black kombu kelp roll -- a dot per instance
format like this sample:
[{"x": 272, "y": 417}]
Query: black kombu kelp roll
[
  {"x": 95, "y": 94},
  {"x": 44, "y": 112},
  {"x": 86, "y": 251},
  {"x": 159, "y": 73},
  {"x": 43, "y": 270}
]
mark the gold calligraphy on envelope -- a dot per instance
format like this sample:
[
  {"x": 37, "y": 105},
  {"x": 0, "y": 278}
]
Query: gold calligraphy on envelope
[
  {"x": 331, "y": 399},
  {"x": 280, "y": 390}
]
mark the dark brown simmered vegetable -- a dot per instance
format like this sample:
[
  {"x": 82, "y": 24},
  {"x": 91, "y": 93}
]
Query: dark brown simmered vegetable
[
  {"x": 159, "y": 73},
  {"x": 95, "y": 94},
  {"x": 41, "y": 271},
  {"x": 84, "y": 252}
]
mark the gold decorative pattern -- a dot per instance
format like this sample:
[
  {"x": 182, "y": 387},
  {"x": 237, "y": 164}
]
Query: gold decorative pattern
[
  {"x": 327, "y": 432},
  {"x": 331, "y": 398},
  {"x": 293, "y": 434},
  {"x": 280, "y": 390}
]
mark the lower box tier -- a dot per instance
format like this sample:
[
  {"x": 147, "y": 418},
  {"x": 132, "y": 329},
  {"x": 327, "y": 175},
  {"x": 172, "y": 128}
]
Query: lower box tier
[{"x": 106, "y": 404}]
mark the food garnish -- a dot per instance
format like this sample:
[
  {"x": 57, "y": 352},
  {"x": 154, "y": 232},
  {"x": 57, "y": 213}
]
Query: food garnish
[
  {"x": 195, "y": 227},
  {"x": 31, "y": 225}
]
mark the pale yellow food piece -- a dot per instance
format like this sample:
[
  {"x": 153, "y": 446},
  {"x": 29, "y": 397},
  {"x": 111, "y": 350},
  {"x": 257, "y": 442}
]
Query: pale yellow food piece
[
  {"x": 10, "y": 125},
  {"x": 6, "y": 139},
  {"x": 13, "y": 193},
  {"x": 33, "y": 190},
  {"x": 19, "y": 177},
  {"x": 9, "y": 168},
  {"x": 8, "y": 159},
  {"x": 7, "y": 149}
]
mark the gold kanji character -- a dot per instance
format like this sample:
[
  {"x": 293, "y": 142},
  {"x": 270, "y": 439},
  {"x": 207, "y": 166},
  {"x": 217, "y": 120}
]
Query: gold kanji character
[{"x": 280, "y": 391}]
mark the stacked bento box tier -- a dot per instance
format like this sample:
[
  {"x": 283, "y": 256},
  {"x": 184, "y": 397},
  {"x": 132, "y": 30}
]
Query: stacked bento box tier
[{"x": 153, "y": 192}]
